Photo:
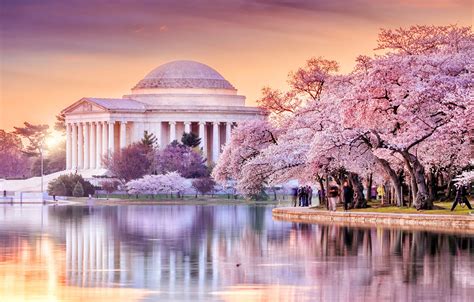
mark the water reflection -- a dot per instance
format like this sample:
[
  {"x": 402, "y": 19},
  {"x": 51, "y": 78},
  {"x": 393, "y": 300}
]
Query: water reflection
[{"x": 229, "y": 253}]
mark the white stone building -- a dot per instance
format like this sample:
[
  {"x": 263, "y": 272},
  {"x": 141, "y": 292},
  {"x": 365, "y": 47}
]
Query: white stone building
[{"x": 177, "y": 97}]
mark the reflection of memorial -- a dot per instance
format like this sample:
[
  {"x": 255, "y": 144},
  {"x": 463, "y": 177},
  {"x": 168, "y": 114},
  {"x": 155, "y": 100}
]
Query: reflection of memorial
[
  {"x": 33, "y": 269},
  {"x": 165, "y": 246}
]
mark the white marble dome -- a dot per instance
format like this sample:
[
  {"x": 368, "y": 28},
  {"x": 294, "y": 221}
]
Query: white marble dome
[{"x": 184, "y": 74}]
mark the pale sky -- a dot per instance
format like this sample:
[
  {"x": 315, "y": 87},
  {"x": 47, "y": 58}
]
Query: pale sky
[{"x": 54, "y": 52}]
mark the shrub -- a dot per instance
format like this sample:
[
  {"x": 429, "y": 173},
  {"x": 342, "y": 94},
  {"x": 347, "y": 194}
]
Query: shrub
[
  {"x": 131, "y": 162},
  {"x": 78, "y": 190},
  {"x": 70, "y": 181},
  {"x": 204, "y": 185},
  {"x": 182, "y": 159},
  {"x": 109, "y": 186},
  {"x": 59, "y": 189}
]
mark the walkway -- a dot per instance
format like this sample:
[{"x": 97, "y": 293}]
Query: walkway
[{"x": 436, "y": 222}]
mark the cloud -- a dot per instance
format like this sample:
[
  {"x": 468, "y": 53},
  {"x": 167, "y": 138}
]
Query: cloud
[{"x": 77, "y": 24}]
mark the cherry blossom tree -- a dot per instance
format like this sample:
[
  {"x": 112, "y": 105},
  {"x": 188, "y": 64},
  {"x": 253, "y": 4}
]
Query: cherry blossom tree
[
  {"x": 183, "y": 159},
  {"x": 168, "y": 183},
  {"x": 465, "y": 178},
  {"x": 203, "y": 185},
  {"x": 247, "y": 141},
  {"x": 407, "y": 110},
  {"x": 109, "y": 186},
  {"x": 131, "y": 162},
  {"x": 406, "y": 97}
]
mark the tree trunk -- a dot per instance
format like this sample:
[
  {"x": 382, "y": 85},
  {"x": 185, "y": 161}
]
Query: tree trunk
[
  {"x": 449, "y": 187},
  {"x": 422, "y": 200},
  {"x": 360, "y": 201},
  {"x": 393, "y": 179},
  {"x": 413, "y": 189},
  {"x": 327, "y": 190},
  {"x": 432, "y": 188},
  {"x": 369, "y": 188},
  {"x": 323, "y": 191}
]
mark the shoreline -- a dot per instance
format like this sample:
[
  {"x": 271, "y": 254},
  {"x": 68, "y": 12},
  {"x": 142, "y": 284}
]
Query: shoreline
[
  {"x": 424, "y": 222},
  {"x": 84, "y": 201}
]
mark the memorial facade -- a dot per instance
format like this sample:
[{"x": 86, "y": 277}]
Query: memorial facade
[{"x": 177, "y": 97}]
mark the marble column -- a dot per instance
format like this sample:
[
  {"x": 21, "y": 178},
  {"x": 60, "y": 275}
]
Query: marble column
[
  {"x": 123, "y": 135},
  {"x": 74, "y": 147},
  {"x": 68, "y": 146},
  {"x": 111, "y": 138},
  {"x": 172, "y": 131},
  {"x": 215, "y": 141},
  {"x": 187, "y": 127},
  {"x": 86, "y": 145},
  {"x": 80, "y": 146},
  {"x": 105, "y": 141},
  {"x": 158, "y": 134},
  {"x": 98, "y": 145},
  {"x": 202, "y": 136},
  {"x": 92, "y": 145},
  {"x": 138, "y": 131},
  {"x": 228, "y": 130}
]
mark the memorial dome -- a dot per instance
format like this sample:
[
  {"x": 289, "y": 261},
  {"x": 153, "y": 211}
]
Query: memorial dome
[{"x": 184, "y": 74}]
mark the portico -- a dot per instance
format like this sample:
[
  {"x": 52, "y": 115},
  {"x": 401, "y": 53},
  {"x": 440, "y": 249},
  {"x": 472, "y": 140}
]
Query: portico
[{"x": 178, "y": 97}]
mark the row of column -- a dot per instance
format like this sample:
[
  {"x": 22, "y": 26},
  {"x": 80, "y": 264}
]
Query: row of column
[{"x": 88, "y": 142}]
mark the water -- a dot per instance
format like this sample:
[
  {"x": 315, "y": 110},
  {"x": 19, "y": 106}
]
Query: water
[{"x": 220, "y": 253}]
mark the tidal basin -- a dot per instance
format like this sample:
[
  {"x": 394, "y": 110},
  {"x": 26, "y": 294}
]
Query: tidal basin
[{"x": 220, "y": 253}]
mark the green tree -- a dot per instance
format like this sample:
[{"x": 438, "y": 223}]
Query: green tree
[
  {"x": 13, "y": 162},
  {"x": 70, "y": 181},
  {"x": 54, "y": 161},
  {"x": 190, "y": 140},
  {"x": 35, "y": 135},
  {"x": 78, "y": 190},
  {"x": 59, "y": 189},
  {"x": 149, "y": 140},
  {"x": 60, "y": 124}
]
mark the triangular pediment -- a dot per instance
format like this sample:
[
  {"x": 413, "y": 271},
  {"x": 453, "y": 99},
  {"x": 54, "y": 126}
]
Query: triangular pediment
[{"x": 84, "y": 106}]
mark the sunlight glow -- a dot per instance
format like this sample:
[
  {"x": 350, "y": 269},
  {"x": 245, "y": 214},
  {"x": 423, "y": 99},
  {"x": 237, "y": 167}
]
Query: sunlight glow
[{"x": 54, "y": 139}]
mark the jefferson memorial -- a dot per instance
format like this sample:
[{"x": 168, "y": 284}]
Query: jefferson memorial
[{"x": 177, "y": 97}]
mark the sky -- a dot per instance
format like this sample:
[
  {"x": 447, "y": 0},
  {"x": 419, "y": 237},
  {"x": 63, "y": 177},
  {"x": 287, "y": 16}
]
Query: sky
[{"x": 54, "y": 52}]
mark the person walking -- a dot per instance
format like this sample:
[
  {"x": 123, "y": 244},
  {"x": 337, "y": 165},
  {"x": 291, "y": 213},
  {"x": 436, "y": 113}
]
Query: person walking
[
  {"x": 333, "y": 196},
  {"x": 347, "y": 195},
  {"x": 303, "y": 196},
  {"x": 461, "y": 198},
  {"x": 310, "y": 196},
  {"x": 300, "y": 196},
  {"x": 294, "y": 196},
  {"x": 380, "y": 193},
  {"x": 306, "y": 196}
]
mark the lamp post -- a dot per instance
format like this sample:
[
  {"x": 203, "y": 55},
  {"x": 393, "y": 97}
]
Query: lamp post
[{"x": 42, "y": 170}]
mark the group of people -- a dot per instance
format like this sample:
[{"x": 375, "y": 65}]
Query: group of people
[
  {"x": 348, "y": 196},
  {"x": 302, "y": 196}
]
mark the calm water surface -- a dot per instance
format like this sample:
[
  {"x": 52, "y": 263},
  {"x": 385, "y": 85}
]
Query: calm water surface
[{"x": 220, "y": 253}]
